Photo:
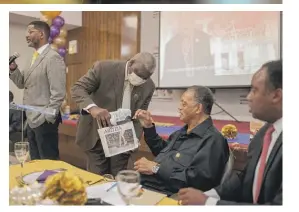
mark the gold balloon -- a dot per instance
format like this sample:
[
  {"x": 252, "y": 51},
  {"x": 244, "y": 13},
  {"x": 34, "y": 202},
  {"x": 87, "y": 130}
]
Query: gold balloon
[
  {"x": 55, "y": 47},
  {"x": 46, "y": 19},
  {"x": 59, "y": 41},
  {"x": 63, "y": 32},
  {"x": 51, "y": 14}
]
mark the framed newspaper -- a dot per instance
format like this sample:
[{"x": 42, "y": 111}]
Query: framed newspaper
[{"x": 118, "y": 139}]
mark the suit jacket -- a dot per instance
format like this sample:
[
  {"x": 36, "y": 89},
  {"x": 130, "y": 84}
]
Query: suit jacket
[
  {"x": 199, "y": 55},
  {"x": 238, "y": 189},
  {"x": 103, "y": 85},
  {"x": 44, "y": 85}
]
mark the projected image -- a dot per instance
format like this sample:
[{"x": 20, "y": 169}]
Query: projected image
[{"x": 215, "y": 44}]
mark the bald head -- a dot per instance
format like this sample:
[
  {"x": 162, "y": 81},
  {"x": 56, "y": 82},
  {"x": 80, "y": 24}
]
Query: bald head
[{"x": 142, "y": 64}]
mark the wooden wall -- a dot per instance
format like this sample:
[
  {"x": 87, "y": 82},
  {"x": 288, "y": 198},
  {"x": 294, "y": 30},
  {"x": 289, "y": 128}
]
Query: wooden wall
[{"x": 104, "y": 35}]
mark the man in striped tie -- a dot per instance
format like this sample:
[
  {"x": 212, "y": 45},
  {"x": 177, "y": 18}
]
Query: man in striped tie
[{"x": 261, "y": 180}]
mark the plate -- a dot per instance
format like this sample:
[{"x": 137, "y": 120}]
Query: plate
[{"x": 32, "y": 177}]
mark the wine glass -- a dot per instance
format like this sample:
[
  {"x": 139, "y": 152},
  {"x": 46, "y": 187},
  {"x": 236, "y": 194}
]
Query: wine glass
[
  {"x": 128, "y": 184},
  {"x": 21, "y": 152}
]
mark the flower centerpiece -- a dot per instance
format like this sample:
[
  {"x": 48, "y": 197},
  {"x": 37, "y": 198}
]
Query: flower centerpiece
[
  {"x": 229, "y": 131},
  {"x": 65, "y": 188}
]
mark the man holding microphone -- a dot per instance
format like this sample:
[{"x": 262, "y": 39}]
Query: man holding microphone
[{"x": 44, "y": 84}]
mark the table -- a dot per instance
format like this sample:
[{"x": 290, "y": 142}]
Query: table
[{"x": 41, "y": 165}]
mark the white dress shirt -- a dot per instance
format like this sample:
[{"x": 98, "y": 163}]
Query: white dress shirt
[
  {"x": 126, "y": 102},
  {"x": 214, "y": 197},
  {"x": 42, "y": 49}
]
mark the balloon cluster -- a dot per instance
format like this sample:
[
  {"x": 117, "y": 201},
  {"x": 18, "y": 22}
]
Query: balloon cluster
[{"x": 58, "y": 31}]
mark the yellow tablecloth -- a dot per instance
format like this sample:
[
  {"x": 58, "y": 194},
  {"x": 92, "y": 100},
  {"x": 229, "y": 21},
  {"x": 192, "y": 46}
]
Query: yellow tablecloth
[{"x": 41, "y": 165}]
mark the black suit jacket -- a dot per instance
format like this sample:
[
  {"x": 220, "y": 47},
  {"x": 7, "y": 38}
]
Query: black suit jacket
[
  {"x": 15, "y": 121},
  {"x": 199, "y": 55},
  {"x": 237, "y": 190}
]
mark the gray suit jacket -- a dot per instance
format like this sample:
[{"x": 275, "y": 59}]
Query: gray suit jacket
[
  {"x": 44, "y": 85},
  {"x": 103, "y": 85}
]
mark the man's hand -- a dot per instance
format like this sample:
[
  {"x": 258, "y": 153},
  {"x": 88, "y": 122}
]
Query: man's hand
[
  {"x": 144, "y": 166},
  {"x": 144, "y": 117},
  {"x": 102, "y": 115},
  {"x": 13, "y": 66},
  {"x": 191, "y": 196}
]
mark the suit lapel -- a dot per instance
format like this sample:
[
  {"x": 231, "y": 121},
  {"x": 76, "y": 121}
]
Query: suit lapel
[
  {"x": 273, "y": 154},
  {"x": 256, "y": 146},
  {"x": 119, "y": 85},
  {"x": 38, "y": 60},
  {"x": 134, "y": 97},
  {"x": 254, "y": 160}
]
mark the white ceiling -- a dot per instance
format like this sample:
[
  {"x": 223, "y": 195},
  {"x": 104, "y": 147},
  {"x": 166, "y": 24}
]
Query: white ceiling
[{"x": 24, "y": 20}]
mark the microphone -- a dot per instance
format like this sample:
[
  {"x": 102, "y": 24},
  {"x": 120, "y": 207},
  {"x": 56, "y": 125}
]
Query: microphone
[{"x": 13, "y": 57}]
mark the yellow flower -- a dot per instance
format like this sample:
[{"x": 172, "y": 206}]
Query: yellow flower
[
  {"x": 66, "y": 189},
  {"x": 229, "y": 131}
]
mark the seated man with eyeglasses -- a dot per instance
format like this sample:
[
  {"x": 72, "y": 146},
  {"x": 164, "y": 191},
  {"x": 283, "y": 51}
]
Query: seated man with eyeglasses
[{"x": 195, "y": 155}]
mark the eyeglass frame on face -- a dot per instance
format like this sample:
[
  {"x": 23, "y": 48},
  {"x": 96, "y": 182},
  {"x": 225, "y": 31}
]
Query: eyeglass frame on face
[{"x": 188, "y": 106}]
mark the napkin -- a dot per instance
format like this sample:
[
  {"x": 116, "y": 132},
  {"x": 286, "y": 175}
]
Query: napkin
[{"x": 43, "y": 177}]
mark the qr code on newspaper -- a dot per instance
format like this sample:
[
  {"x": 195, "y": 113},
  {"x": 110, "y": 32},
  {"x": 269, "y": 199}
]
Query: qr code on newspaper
[{"x": 118, "y": 139}]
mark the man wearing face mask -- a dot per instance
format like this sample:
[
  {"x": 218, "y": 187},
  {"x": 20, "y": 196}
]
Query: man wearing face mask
[{"x": 106, "y": 87}]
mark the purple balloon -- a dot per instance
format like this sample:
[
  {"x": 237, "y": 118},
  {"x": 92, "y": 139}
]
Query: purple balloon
[
  {"x": 58, "y": 21},
  {"x": 50, "y": 40},
  {"x": 54, "y": 31},
  {"x": 62, "y": 52}
]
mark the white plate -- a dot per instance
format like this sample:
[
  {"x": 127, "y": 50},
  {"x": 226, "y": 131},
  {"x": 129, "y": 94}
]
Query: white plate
[{"x": 32, "y": 177}]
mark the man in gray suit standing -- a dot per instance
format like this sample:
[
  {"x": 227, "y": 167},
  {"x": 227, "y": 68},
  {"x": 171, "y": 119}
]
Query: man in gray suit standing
[
  {"x": 106, "y": 87},
  {"x": 44, "y": 84}
]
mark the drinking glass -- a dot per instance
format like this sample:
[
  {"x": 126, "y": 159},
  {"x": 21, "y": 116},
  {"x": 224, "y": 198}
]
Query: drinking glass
[
  {"x": 128, "y": 184},
  {"x": 22, "y": 152}
]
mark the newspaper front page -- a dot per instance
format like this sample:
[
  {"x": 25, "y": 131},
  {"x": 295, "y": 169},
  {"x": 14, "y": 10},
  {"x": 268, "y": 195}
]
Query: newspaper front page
[{"x": 120, "y": 138}]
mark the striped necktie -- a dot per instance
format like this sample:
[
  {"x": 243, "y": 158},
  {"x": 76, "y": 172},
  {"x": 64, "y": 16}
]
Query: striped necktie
[{"x": 35, "y": 55}]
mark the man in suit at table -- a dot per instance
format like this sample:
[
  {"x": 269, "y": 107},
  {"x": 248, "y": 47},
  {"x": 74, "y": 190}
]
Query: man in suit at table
[
  {"x": 260, "y": 182},
  {"x": 106, "y": 87},
  {"x": 44, "y": 84}
]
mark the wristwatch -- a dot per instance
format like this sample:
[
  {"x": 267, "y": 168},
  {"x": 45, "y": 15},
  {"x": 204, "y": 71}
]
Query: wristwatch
[{"x": 155, "y": 168}]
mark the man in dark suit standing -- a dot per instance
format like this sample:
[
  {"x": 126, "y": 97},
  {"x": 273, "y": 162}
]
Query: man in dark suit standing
[
  {"x": 261, "y": 180},
  {"x": 106, "y": 87}
]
